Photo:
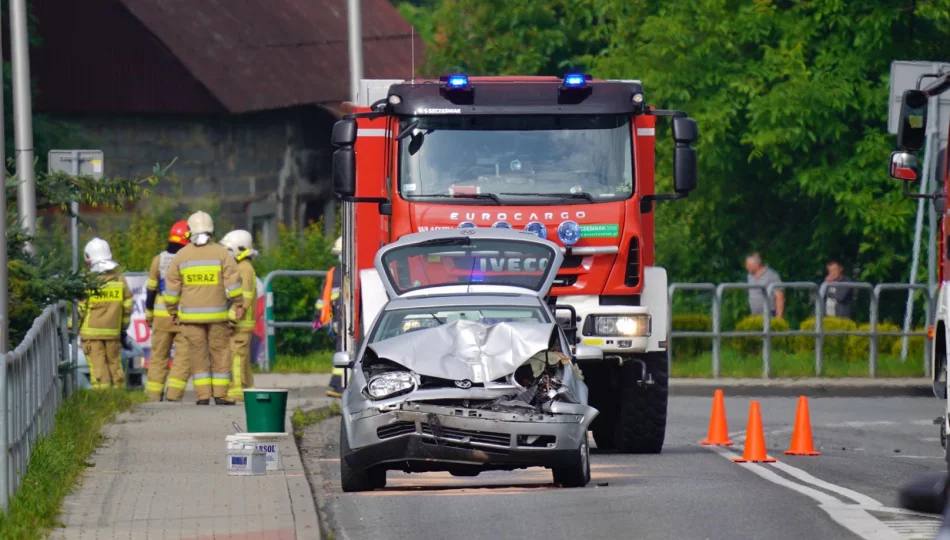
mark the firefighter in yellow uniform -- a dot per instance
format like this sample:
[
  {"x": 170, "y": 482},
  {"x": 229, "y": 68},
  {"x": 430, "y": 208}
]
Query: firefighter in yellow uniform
[
  {"x": 105, "y": 314},
  {"x": 203, "y": 293},
  {"x": 329, "y": 311},
  {"x": 239, "y": 245},
  {"x": 164, "y": 333}
]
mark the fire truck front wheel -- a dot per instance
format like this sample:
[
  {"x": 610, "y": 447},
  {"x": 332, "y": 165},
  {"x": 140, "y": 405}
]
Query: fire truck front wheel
[{"x": 641, "y": 422}]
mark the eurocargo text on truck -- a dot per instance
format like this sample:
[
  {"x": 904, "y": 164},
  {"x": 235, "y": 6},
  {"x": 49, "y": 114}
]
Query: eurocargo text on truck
[{"x": 570, "y": 159}]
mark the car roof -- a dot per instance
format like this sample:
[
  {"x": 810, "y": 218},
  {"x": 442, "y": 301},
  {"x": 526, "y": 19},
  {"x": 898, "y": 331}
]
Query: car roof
[{"x": 467, "y": 300}]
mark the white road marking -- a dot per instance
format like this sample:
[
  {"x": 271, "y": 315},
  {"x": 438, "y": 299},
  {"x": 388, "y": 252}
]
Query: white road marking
[
  {"x": 852, "y": 517},
  {"x": 917, "y": 457},
  {"x": 859, "y": 498}
]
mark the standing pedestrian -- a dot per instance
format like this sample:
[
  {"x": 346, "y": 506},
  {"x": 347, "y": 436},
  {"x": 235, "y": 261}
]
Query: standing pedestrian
[
  {"x": 762, "y": 275},
  {"x": 202, "y": 280},
  {"x": 329, "y": 311},
  {"x": 164, "y": 333},
  {"x": 838, "y": 300},
  {"x": 105, "y": 314},
  {"x": 239, "y": 245}
]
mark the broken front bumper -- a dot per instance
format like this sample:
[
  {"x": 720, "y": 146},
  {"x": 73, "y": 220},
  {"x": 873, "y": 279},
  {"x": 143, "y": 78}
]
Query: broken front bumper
[{"x": 423, "y": 437}]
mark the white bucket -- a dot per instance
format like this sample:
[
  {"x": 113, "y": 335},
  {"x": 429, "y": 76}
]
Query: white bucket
[
  {"x": 246, "y": 462},
  {"x": 268, "y": 443}
]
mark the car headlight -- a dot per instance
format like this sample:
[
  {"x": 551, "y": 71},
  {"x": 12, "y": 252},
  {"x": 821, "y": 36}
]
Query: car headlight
[
  {"x": 389, "y": 384},
  {"x": 622, "y": 325}
]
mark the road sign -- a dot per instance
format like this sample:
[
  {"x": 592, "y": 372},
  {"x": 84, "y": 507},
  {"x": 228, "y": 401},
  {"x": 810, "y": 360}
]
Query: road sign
[
  {"x": 904, "y": 76},
  {"x": 90, "y": 162}
]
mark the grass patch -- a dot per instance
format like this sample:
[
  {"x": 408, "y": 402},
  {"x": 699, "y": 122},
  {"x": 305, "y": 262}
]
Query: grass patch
[
  {"x": 303, "y": 419},
  {"x": 318, "y": 362},
  {"x": 784, "y": 364},
  {"x": 58, "y": 460}
]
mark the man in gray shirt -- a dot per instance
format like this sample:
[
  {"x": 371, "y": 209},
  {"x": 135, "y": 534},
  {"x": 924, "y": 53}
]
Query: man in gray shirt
[
  {"x": 760, "y": 274},
  {"x": 838, "y": 300}
]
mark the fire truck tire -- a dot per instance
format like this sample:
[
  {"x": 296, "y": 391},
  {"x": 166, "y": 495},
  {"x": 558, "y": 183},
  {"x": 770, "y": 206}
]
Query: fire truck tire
[
  {"x": 600, "y": 381},
  {"x": 641, "y": 424}
]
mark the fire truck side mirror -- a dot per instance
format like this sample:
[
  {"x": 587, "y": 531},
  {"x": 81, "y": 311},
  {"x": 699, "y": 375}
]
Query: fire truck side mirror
[
  {"x": 912, "y": 127},
  {"x": 685, "y": 164},
  {"x": 344, "y": 133},
  {"x": 344, "y": 159},
  {"x": 904, "y": 166}
]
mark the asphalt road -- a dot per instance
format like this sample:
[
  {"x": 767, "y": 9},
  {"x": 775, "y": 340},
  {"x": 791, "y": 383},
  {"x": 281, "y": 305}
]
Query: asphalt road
[{"x": 870, "y": 446}]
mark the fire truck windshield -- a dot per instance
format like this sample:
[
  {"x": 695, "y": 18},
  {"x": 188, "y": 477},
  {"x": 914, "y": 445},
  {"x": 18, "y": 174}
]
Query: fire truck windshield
[{"x": 516, "y": 159}]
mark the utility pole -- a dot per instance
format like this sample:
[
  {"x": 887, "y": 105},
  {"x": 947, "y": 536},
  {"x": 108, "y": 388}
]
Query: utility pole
[
  {"x": 356, "y": 47},
  {"x": 22, "y": 116},
  {"x": 4, "y": 312}
]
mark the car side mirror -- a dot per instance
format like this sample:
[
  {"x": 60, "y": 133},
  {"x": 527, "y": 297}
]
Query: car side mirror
[
  {"x": 342, "y": 359},
  {"x": 586, "y": 353},
  {"x": 904, "y": 166},
  {"x": 912, "y": 126},
  {"x": 685, "y": 165}
]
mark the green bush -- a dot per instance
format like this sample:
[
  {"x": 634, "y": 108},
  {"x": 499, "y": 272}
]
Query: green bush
[
  {"x": 753, "y": 345},
  {"x": 834, "y": 346},
  {"x": 692, "y": 322},
  {"x": 859, "y": 346},
  {"x": 915, "y": 347},
  {"x": 295, "y": 298}
]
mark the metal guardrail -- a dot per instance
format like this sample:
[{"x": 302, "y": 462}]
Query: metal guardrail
[
  {"x": 716, "y": 334},
  {"x": 31, "y": 386},
  {"x": 270, "y": 325}
]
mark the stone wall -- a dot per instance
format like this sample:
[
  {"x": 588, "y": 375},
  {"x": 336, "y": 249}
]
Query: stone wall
[{"x": 274, "y": 163}]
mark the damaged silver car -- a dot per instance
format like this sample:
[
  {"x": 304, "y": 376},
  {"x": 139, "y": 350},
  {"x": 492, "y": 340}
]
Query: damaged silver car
[{"x": 465, "y": 368}]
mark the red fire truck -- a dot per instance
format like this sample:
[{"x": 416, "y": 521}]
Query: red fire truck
[{"x": 570, "y": 159}]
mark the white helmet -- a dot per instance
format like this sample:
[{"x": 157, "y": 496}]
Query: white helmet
[
  {"x": 200, "y": 222},
  {"x": 237, "y": 241},
  {"x": 338, "y": 246},
  {"x": 99, "y": 255}
]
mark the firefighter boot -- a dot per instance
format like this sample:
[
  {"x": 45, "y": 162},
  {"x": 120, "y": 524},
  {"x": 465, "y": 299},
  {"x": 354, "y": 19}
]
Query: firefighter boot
[{"x": 158, "y": 364}]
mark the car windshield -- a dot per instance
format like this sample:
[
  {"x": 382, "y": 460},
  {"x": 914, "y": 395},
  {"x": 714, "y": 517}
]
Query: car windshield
[
  {"x": 517, "y": 159},
  {"x": 402, "y": 321},
  {"x": 466, "y": 260}
]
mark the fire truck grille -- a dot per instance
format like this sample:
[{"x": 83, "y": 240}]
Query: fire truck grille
[{"x": 632, "y": 278}]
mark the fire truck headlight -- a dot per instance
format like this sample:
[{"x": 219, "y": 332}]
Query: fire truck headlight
[
  {"x": 394, "y": 100},
  {"x": 466, "y": 225},
  {"x": 622, "y": 325},
  {"x": 569, "y": 232},
  {"x": 501, "y": 225},
  {"x": 537, "y": 228},
  {"x": 637, "y": 98}
]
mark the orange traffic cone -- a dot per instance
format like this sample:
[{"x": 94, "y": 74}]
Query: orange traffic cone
[
  {"x": 802, "y": 444},
  {"x": 718, "y": 430},
  {"x": 754, "y": 439}
]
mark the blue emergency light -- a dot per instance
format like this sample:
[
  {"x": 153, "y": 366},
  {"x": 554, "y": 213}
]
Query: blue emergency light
[
  {"x": 457, "y": 81},
  {"x": 574, "y": 80}
]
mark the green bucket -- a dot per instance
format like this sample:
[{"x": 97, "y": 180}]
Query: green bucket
[{"x": 266, "y": 410}]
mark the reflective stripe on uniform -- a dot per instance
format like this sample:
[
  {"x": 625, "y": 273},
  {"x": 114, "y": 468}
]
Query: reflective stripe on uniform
[
  {"x": 203, "y": 379},
  {"x": 177, "y": 384},
  {"x": 221, "y": 379},
  {"x": 233, "y": 290},
  {"x": 192, "y": 264},
  {"x": 100, "y": 332},
  {"x": 245, "y": 324},
  {"x": 172, "y": 297},
  {"x": 203, "y": 314},
  {"x": 154, "y": 387},
  {"x": 151, "y": 284}
]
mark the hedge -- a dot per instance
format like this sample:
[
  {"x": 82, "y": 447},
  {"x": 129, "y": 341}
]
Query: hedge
[
  {"x": 753, "y": 345},
  {"x": 834, "y": 346},
  {"x": 859, "y": 346},
  {"x": 692, "y": 322}
]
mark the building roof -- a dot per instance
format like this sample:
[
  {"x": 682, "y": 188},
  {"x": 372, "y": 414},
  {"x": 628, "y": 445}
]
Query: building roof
[{"x": 243, "y": 55}]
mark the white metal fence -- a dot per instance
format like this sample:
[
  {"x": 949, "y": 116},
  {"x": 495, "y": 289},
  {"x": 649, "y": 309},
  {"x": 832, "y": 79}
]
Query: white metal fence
[
  {"x": 31, "y": 384},
  {"x": 716, "y": 334}
]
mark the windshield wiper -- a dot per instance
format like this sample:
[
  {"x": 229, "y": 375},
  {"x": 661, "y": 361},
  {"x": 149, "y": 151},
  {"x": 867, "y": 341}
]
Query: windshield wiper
[
  {"x": 560, "y": 196},
  {"x": 486, "y": 196}
]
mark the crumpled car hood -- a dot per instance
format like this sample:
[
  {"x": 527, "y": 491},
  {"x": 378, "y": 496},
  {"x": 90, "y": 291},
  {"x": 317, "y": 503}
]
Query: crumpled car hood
[{"x": 468, "y": 350}]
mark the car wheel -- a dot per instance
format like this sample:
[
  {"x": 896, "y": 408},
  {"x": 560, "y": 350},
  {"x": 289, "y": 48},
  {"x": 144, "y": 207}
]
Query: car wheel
[
  {"x": 352, "y": 479},
  {"x": 577, "y": 474},
  {"x": 641, "y": 424}
]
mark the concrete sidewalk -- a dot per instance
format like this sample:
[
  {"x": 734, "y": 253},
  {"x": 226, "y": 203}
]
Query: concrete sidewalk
[{"x": 162, "y": 475}]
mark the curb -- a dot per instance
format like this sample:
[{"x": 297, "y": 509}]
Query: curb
[
  {"x": 851, "y": 387},
  {"x": 306, "y": 522}
]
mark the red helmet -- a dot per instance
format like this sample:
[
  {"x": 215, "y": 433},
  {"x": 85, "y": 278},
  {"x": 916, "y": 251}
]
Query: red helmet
[{"x": 179, "y": 233}]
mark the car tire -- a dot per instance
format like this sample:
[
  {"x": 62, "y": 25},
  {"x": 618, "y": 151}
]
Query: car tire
[
  {"x": 577, "y": 474},
  {"x": 354, "y": 480},
  {"x": 641, "y": 424}
]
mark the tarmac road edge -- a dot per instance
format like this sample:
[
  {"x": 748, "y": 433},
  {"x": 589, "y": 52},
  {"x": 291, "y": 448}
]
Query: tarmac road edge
[{"x": 811, "y": 387}]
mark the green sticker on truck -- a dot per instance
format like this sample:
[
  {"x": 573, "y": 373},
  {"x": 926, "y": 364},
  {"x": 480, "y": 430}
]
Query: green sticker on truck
[{"x": 600, "y": 231}]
